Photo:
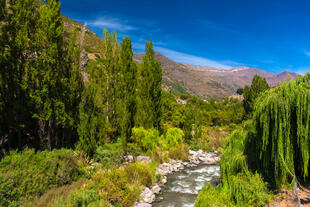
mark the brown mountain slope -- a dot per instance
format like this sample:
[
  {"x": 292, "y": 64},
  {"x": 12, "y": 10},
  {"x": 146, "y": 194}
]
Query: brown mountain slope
[
  {"x": 211, "y": 82},
  {"x": 181, "y": 78}
]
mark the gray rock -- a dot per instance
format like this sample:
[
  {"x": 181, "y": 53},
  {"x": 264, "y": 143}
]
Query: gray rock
[
  {"x": 142, "y": 205},
  {"x": 147, "y": 196},
  {"x": 128, "y": 158},
  {"x": 144, "y": 159},
  {"x": 156, "y": 189}
]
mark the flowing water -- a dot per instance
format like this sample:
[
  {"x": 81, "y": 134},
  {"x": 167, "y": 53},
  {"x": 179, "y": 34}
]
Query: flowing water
[{"x": 183, "y": 187}]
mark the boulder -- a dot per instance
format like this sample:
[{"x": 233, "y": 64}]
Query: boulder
[
  {"x": 156, "y": 189},
  {"x": 128, "y": 158},
  {"x": 142, "y": 205},
  {"x": 144, "y": 159},
  {"x": 147, "y": 196}
]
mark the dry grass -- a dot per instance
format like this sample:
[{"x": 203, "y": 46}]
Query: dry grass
[{"x": 48, "y": 199}]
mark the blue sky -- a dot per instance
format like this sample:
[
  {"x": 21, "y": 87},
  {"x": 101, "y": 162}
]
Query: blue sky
[{"x": 273, "y": 35}]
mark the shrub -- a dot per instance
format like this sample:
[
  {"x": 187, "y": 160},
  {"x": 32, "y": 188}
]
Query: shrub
[
  {"x": 114, "y": 186},
  {"x": 210, "y": 196},
  {"x": 171, "y": 138},
  {"x": 179, "y": 152},
  {"x": 242, "y": 190},
  {"x": 109, "y": 155},
  {"x": 29, "y": 174},
  {"x": 145, "y": 139},
  {"x": 53, "y": 196},
  {"x": 140, "y": 173},
  {"x": 159, "y": 155}
]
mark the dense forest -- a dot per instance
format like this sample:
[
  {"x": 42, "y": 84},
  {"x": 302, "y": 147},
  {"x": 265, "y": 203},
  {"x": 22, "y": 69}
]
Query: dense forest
[{"x": 65, "y": 129}]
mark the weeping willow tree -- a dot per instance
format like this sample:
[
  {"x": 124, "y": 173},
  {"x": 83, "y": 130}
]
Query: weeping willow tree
[{"x": 282, "y": 142}]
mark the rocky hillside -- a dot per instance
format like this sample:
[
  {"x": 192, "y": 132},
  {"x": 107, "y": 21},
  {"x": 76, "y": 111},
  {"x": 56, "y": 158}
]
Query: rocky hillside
[
  {"x": 211, "y": 82},
  {"x": 181, "y": 78}
]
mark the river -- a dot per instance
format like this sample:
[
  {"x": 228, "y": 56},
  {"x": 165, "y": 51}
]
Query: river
[{"x": 182, "y": 188}]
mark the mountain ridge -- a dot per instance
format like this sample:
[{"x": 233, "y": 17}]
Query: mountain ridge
[
  {"x": 203, "y": 81},
  {"x": 208, "y": 82}
]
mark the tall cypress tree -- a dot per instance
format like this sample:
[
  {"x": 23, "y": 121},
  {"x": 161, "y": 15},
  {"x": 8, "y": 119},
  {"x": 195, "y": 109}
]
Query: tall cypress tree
[
  {"x": 111, "y": 63},
  {"x": 17, "y": 32},
  {"x": 128, "y": 84},
  {"x": 149, "y": 112},
  {"x": 51, "y": 75}
]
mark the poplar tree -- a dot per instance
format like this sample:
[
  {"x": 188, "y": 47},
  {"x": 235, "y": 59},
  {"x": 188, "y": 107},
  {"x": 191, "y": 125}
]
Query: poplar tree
[
  {"x": 100, "y": 107},
  {"x": 51, "y": 75},
  {"x": 149, "y": 113},
  {"x": 17, "y": 30},
  {"x": 112, "y": 65},
  {"x": 128, "y": 85}
]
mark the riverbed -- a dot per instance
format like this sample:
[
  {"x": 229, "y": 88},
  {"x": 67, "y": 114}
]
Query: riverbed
[{"x": 182, "y": 188}]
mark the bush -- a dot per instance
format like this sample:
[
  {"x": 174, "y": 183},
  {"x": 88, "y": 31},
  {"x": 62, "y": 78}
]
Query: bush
[
  {"x": 26, "y": 175},
  {"x": 145, "y": 139},
  {"x": 159, "y": 155},
  {"x": 109, "y": 155},
  {"x": 140, "y": 173},
  {"x": 242, "y": 190},
  {"x": 53, "y": 196},
  {"x": 179, "y": 152},
  {"x": 114, "y": 187},
  {"x": 171, "y": 138},
  {"x": 210, "y": 196}
]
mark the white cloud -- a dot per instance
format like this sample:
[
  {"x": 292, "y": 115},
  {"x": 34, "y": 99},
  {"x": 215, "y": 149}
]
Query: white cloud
[
  {"x": 191, "y": 59},
  {"x": 307, "y": 53},
  {"x": 188, "y": 58},
  {"x": 112, "y": 23}
]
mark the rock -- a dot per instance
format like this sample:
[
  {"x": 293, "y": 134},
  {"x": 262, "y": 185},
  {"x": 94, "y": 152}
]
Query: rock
[
  {"x": 191, "y": 152},
  {"x": 147, "y": 196},
  {"x": 142, "y": 205},
  {"x": 164, "y": 180},
  {"x": 144, "y": 159},
  {"x": 156, "y": 189},
  {"x": 128, "y": 158},
  {"x": 84, "y": 61}
]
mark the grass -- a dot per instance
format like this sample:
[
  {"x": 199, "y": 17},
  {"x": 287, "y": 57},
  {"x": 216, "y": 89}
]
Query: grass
[{"x": 28, "y": 174}]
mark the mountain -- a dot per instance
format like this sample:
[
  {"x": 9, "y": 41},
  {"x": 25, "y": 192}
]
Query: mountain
[
  {"x": 208, "y": 82},
  {"x": 203, "y": 81}
]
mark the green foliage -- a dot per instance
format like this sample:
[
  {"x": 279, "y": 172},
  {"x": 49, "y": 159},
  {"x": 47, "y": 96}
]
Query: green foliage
[
  {"x": 250, "y": 94},
  {"x": 109, "y": 155},
  {"x": 149, "y": 90},
  {"x": 239, "y": 91},
  {"x": 145, "y": 139},
  {"x": 127, "y": 90},
  {"x": 173, "y": 113},
  {"x": 116, "y": 187},
  {"x": 281, "y": 137},
  {"x": 239, "y": 187},
  {"x": 54, "y": 195},
  {"x": 29, "y": 174},
  {"x": 179, "y": 152},
  {"x": 39, "y": 79},
  {"x": 171, "y": 138},
  {"x": 242, "y": 190}
]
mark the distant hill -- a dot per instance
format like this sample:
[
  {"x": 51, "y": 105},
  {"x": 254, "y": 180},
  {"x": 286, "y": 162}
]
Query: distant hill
[
  {"x": 207, "y": 82},
  {"x": 203, "y": 81}
]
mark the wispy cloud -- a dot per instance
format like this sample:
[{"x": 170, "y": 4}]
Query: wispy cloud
[
  {"x": 307, "y": 53},
  {"x": 188, "y": 58},
  {"x": 112, "y": 23}
]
